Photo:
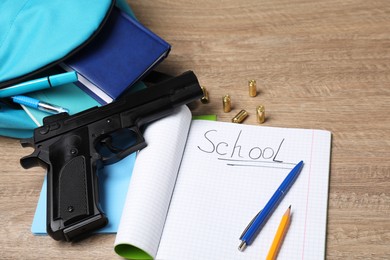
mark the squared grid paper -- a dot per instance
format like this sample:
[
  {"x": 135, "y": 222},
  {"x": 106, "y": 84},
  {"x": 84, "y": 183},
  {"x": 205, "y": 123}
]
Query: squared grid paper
[
  {"x": 153, "y": 181},
  {"x": 213, "y": 202}
]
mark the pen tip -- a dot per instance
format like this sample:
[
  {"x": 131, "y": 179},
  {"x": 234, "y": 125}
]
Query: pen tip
[{"x": 242, "y": 246}]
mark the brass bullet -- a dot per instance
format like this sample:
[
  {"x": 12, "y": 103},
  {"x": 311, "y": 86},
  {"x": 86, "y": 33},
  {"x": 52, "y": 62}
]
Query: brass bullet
[
  {"x": 260, "y": 113},
  {"x": 205, "y": 98},
  {"x": 252, "y": 88},
  {"x": 240, "y": 117},
  {"x": 227, "y": 104}
]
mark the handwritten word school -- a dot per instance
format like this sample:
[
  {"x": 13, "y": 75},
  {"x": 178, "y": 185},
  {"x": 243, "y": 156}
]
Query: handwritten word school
[{"x": 236, "y": 150}]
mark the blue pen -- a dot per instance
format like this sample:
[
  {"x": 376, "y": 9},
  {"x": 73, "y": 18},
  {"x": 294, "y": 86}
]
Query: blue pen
[
  {"x": 261, "y": 218},
  {"x": 40, "y": 105},
  {"x": 38, "y": 84}
]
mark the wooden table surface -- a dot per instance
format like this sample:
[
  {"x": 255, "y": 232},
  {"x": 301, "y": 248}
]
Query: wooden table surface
[{"x": 318, "y": 64}]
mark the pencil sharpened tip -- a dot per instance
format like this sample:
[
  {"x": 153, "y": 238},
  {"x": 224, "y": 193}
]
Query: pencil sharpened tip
[{"x": 242, "y": 246}]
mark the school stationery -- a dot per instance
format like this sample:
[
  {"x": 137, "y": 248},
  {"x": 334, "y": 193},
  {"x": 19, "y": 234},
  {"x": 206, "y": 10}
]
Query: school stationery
[
  {"x": 280, "y": 234},
  {"x": 39, "y": 84},
  {"x": 261, "y": 218},
  {"x": 69, "y": 96},
  {"x": 40, "y": 105},
  {"x": 121, "y": 54},
  {"x": 61, "y": 97},
  {"x": 191, "y": 196}
]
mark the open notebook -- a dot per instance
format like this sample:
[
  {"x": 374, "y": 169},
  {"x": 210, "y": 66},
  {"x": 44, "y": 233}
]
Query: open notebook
[{"x": 192, "y": 198}]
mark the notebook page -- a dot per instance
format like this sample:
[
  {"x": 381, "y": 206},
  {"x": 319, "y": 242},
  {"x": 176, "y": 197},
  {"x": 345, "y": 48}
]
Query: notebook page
[
  {"x": 228, "y": 174},
  {"x": 152, "y": 183}
]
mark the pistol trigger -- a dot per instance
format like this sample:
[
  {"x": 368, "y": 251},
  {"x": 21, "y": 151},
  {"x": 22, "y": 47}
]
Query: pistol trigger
[{"x": 108, "y": 142}]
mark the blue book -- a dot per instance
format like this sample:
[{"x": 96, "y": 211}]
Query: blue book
[{"x": 121, "y": 54}]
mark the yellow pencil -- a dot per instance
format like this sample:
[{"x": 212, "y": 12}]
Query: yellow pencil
[{"x": 279, "y": 236}]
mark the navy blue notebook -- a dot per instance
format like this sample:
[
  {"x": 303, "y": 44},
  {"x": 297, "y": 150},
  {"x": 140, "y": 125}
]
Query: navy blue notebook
[{"x": 120, "y": 55}]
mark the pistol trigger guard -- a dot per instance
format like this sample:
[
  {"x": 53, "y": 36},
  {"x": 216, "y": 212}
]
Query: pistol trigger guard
[
  {"x": 139, "y": 145},
  {"x": 119, "y": 154},
  {"x": 136, "y": 147}
]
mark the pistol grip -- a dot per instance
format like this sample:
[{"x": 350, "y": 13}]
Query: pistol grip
[
  {"x": 72, "y": 201},
  {"x": 72, "y": 194}
]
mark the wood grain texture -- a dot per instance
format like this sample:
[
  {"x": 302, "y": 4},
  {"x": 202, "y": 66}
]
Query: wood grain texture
[{"x": 318, "y": 64}]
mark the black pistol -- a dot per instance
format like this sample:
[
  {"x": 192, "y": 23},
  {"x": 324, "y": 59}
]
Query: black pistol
[{"x": 73, "y": 148}]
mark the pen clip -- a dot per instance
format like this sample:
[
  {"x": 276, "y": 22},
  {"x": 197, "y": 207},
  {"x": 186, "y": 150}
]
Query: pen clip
[{"x": 250, "y": 224}]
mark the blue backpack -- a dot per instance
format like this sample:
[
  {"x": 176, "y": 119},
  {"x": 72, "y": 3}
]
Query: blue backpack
[{"x": 36, "y": 35}]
